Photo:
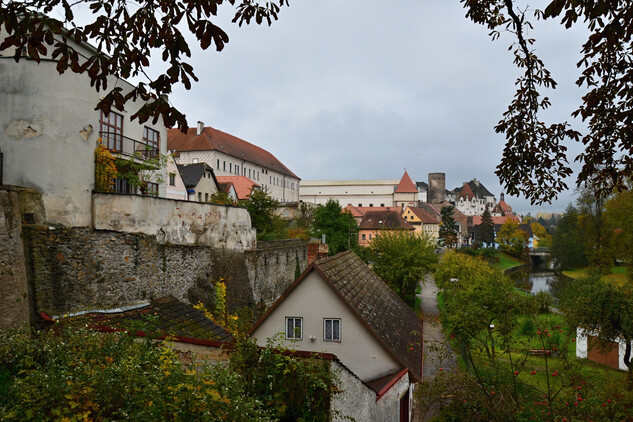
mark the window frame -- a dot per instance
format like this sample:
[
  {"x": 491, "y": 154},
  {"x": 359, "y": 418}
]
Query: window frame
[
  {"x": 111, "y": 134},
  {"x": 340, "y": 336},
  {"x": 151, "y": 138},
  {"x": 295, "y": 319}
]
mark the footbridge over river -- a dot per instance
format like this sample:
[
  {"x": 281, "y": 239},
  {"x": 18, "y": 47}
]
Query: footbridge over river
[{"x": 539, "y": 254}]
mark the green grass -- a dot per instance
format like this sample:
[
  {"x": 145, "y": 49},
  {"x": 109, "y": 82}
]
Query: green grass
[
  {"x": 507, "y": 261},
  {"x": 619, "y": 275}
]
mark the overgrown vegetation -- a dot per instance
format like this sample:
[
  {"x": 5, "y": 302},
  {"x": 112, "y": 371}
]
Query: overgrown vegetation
[
  {"x": 517, "y": 361},
  {"x": 402, "y": 259},
  {"x": 78, "y": 374},
  {"x": 340, "y": 228}
]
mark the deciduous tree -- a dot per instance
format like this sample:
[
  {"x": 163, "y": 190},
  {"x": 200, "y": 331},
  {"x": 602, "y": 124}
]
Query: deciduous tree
[
  {"x": 511, "y": 239},
  {"x": 535, "y": 161},
  {"x": 402, "y": 259},
  {"x": 340, "y": 228}
]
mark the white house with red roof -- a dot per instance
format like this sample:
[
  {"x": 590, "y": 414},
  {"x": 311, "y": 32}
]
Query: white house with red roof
[{"x": 229, "y": 155}]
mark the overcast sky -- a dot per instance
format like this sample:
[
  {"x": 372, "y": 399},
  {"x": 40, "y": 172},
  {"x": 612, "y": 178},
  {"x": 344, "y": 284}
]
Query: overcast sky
[{"x": 364, "y": 89}]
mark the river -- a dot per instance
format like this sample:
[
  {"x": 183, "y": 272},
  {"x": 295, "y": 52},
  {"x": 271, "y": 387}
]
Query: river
[{"x": 540, "y": 277}]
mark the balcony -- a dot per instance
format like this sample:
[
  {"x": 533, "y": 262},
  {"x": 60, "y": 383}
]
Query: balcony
[{"x": 122, "y": 145}]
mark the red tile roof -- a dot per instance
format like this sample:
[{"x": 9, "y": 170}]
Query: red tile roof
[
  {"x": 466, "y": 193},
  {"x": 213, "y": 139},
  {"x": 384, "y": 220},
  {"x": 243, "y": 185},
  {"x": 406, "y": 185}
]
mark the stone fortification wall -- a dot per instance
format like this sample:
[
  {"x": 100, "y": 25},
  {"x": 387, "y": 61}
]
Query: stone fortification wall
[
  {"x": 272, "y": 268},
  {"x": 14, "y": 304},
  {"x": 79, "y": 268},
  {"x": 174, "y": 222}
]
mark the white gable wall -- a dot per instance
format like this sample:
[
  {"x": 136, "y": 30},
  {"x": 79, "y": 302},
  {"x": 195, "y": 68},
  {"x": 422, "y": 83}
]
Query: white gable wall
[{"x": 313, "y": 300}]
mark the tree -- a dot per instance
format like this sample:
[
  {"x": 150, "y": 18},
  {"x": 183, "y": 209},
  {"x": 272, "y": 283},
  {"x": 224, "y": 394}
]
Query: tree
[
  {"x": 590, "y": 203},
  {"x": 487, "y": 229},
  {"x": 535, "y": 159},
  {"x": 447, "y": 233},
  {"x": 402, "y": 259},
  {"x": 511, "y": 239},
  {"x": 261, "y": 207},
  {"x": 618, "y": 224},
  {"x": 125, "y": 34},
  {"x": 544, "y": 238},
  {"x": 568, "y": 243},
  {"x": 338, "y": 226},
  {"x": 604, "y": 309}
]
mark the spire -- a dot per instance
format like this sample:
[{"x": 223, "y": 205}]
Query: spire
[{"x": 406, "y": 185}]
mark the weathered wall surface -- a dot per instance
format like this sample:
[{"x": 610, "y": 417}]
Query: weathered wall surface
[
  {"x": 174, "y": 222},
  {"x": 13, "y": 287},
  {"x": 77, "y": 268},
  {"x": 48, "y": 134},
  {"x": 272, "y": 267},
  {"x": 359, "y": 401}
]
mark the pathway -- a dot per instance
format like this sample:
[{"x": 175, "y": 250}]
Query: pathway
[{"x": 436, "y": 353}]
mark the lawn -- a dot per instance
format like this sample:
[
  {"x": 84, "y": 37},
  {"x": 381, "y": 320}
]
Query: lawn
[
  {"x": 619, "y": 275},
  {"x": 507, "y": 261}
]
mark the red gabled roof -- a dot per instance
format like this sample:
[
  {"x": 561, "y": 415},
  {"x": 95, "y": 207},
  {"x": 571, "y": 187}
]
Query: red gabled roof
[
  {"x": 406, "y": 185},
  {"x": 213, "y": 139},
  {"x": 466, "y": 193},
  {"x": 243, "y": 185}
]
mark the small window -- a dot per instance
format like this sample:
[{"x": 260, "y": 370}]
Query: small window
[
  {"x": 237, "y": 169},
  {"x": 294, "y": 328},
  {"x": 332, "y": 329},
  {"x": 382, "y": 205},
  {"x": 172, "y": 179},
  {"x": 363, "y": 236},
  {"x": 360, "y": 205},
  {"x": 206, "y": 197},
  {"x": 218, "y": 164},
  {"x": 224, "y": 165},
  {"x": 371, "y": 205},
  {"x": 195, "y": 160},
  {"x": 199, "y": 196},
  {"x": 230, "y": 167},
  {"x": 370, "y": 236}
]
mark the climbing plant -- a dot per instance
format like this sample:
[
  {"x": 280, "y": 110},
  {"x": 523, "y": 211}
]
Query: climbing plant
[{"x": 105, "y": 169}]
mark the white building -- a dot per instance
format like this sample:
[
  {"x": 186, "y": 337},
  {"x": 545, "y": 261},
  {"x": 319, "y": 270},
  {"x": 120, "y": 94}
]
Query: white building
[
  {"x": 375, "y": 335},
  {"x": 49, "y": 130},
  {"x": 361, "y": 193},
  {"x": 228, "y": 155},
  {"x": 472, "y": 198}
]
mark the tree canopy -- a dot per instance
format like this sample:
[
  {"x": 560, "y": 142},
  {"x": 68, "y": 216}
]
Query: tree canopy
[
  {"x": 402, "y": 259},
  {"x": 125, "y": 33},
  {"x": 535, "y": 161},
  {"x": 447, "y": 233},
  {"x": 340, "y": 228},
  {"x": 511, "y": 239}
]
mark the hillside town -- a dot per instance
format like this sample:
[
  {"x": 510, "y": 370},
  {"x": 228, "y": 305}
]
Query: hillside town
[{"x": 152, "y": 271}]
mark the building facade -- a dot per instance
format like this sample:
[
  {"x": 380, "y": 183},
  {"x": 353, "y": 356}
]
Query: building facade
[
  {"x": 228, "y": 155},
  {"x": 49, "y": 131}
]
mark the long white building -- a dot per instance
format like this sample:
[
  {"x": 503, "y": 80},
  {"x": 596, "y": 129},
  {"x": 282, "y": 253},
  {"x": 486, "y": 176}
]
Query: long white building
[{"x": 229, "y": 155}]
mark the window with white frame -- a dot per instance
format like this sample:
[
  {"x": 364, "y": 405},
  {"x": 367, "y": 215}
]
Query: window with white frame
[
  {"x": 294, "y": 328},
  {"x": 332, "y": 329}
]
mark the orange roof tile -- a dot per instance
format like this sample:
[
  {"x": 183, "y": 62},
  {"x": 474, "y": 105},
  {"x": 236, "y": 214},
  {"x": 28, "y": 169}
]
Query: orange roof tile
[
  {"x": 406, "y": 185},
  {"x": 213, "y": 139},
  {"x": 242, "y": 184},
  {"x": 477, "y": 219}
]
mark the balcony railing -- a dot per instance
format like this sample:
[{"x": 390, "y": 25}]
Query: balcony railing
[{"x": 129, "y": 147}]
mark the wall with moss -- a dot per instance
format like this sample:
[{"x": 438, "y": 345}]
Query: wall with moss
[{"x": 71, "y": 269}]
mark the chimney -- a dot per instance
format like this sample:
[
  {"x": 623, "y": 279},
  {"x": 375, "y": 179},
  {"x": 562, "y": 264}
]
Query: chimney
[{"x": 200, "y": 127}]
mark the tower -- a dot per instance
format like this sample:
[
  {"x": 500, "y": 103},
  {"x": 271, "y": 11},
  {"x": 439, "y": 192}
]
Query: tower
[{"x": 437, "y": 188}]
